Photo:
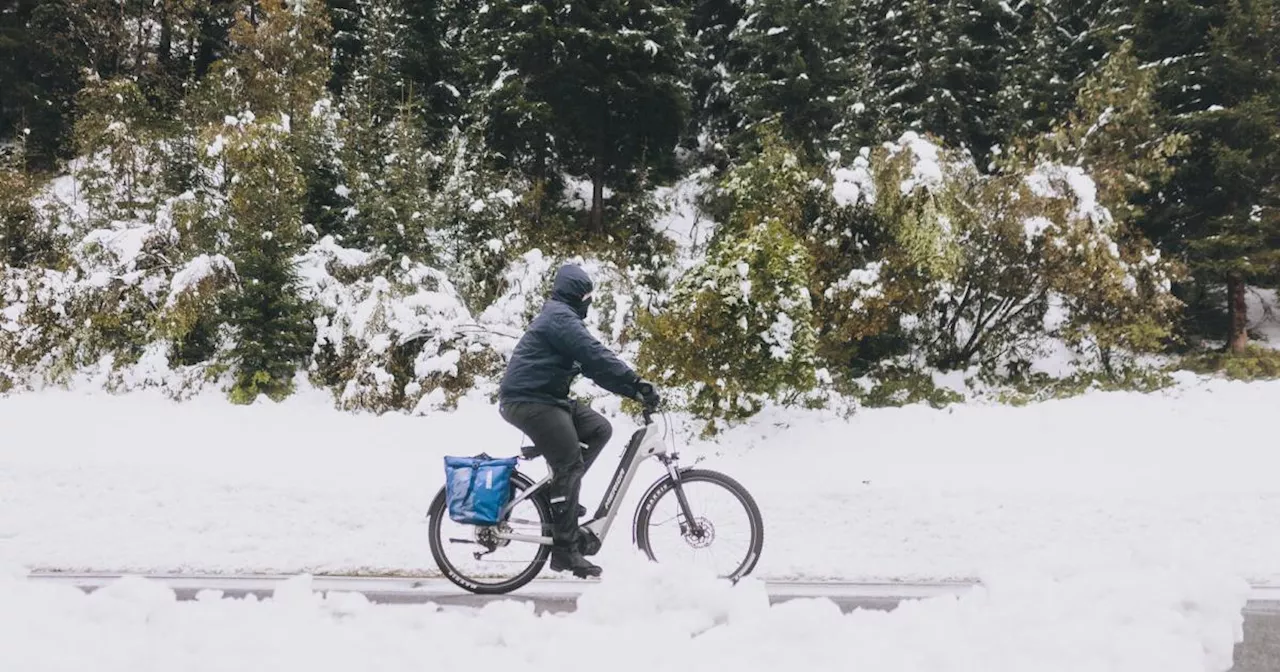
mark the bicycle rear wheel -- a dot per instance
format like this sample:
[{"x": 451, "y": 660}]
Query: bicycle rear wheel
[
  {"x": 473, "y": 559},
  {"x": 723, "y": 511}
]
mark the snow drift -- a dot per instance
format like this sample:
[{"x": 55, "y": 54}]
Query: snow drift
[{"x": 642, "y": 618}]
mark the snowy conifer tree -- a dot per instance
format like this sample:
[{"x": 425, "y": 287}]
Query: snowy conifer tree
[{"x": 592, "y": 90}]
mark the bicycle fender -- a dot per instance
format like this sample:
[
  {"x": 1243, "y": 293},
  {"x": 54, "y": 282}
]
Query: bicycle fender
[{"x": 437, "y": 504}]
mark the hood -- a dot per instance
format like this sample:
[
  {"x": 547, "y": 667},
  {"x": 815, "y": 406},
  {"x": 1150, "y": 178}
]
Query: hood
[{"x": 573, "y": 286}]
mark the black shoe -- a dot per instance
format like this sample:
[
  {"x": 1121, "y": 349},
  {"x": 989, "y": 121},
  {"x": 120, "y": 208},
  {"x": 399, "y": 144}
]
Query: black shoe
[{"x": 571, "y": 559}]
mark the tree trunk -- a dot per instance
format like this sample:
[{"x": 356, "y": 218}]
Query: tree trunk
[
  {"x": 597, "y": 196},
  {"x": 1237, "y": 312},
  {"x": 165, "y": 51}
]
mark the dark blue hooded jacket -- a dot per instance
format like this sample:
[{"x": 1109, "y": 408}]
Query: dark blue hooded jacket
[{"x": 557, "y": 347}]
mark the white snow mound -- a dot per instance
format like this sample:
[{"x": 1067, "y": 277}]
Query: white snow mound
[{"x": 638, "y": 618}]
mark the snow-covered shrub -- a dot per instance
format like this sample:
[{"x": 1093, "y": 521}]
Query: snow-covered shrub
[
  {"x": 26, "y": 238},
  {"x": 475, "y": 211},
  {"x": 964, "y": 269},
  {"x": 96, "y": 313},
  {"x": 190, "y": 318},
  {"x": 393, "y": 340},
  {"x": 91, "y": 256},
  {"x": 526, "y": 286},
  {"x": 119, "y": 171},
  {"x": 738, "y": 329}
]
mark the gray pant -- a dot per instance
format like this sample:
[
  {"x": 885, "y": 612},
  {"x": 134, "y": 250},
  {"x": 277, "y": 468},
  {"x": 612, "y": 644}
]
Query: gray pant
[{"x": 559, "y": 433}]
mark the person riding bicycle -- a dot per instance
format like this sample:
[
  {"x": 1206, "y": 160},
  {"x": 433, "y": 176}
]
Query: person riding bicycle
[{"x": 534, "y": 397}]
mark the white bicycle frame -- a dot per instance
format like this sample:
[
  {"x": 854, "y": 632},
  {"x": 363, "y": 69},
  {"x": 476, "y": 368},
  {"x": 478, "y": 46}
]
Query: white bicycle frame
[{"x": 645, "y": 443}]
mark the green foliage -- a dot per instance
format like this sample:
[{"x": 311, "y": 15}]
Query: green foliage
[
  {"x": 24, "y": 239},
  {"x": 966, "y": 269},
  {"x": 272, "y": 327},
  {"x": 1113, "y": 133},
  {"x": 1255, "y": 363},
  {"x": 388, "y": 168},
  {"x": 1037, "y": 387},
  {"x": 904, "y": 386},
  {"x": 116, "y": 134},
  {"x": 1218, "y": 207},
  {"x": 738, "y": 329},
  {"x": 277, "y": 62}
]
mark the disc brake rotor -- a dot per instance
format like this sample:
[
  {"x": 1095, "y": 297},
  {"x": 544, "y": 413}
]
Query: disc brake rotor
[{"x": 701, "y": 534}]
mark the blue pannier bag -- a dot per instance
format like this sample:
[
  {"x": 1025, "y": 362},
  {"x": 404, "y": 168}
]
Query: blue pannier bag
[{"x": 476, "y": 488}]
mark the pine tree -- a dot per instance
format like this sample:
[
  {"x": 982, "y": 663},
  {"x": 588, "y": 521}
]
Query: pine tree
[
  {"x": 938, "y": 68},
  {"x": 793, "y": 59},
  {"x": 278, "y": 62},
  {"x": 591, "y": 89},
  {"x": 1241, "y": 242},
  {"x": 434, "y": 64},
  {"x": 1056, "y": 43},
  {"x": 710, "y": 26},
  {"x": 272, "y": 326},
  {"x": 1221, "y": 89},
  {"x": 264, "y": 110},
  {"x": 386, "y": 162}
]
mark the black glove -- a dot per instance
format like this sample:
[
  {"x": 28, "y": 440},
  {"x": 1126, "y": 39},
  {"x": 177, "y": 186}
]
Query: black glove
[{"x": 647, "y": 394}]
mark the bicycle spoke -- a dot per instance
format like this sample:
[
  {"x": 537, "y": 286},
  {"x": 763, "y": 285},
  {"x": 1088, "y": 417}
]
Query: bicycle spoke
[
  {"x": 499, "y": 559},
  {"x": 711, "y": 539}
]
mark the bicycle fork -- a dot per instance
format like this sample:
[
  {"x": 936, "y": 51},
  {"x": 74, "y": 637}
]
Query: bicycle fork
[{"x": 688, "y": 525}]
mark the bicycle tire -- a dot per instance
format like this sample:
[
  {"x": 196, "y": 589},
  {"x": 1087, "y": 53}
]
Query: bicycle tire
[
  {"x": 437, "y": 513},
  {"x": 666, "y": 486}
]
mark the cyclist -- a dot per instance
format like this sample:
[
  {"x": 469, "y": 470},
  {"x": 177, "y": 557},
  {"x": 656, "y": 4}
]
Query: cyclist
[{"x": 534, "y": 397}]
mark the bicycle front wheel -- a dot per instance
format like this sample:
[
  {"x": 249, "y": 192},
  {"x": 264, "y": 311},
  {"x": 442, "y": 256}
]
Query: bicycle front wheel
[
  {"x": 725, "y": 531},
  {"x": 474, "y": 559}
]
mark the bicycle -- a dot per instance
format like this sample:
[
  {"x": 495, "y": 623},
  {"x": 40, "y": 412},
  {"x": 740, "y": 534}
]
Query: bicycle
[{"x": 697, "y": 531}]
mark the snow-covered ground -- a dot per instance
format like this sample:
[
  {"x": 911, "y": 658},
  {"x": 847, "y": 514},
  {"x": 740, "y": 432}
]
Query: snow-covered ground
[
  {"x": 642, "y": 617},
  {"x": 90, "y": 481}
]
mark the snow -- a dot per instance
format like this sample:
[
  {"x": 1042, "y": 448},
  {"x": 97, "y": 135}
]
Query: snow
[
  {"x": 125, "y": 242},
  {"x": 1264, "y": 315},
  {"x": 1048, "y": 180},
  {"x": 926, "y": 169},
  {"x": 139, "y": 483},
  {"x": 195, "y": 271},
  {"x": 865, "y": 281},
  {"x": 683, "y": 221},
  {"x": 1035, "y": 228},
  {"x": 854, "y": 184},
  {"x": 1119, "y": 620}
]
